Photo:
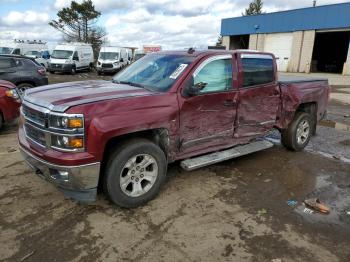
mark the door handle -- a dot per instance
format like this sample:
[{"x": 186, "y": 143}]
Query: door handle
[{"x": 229, "y": 103}]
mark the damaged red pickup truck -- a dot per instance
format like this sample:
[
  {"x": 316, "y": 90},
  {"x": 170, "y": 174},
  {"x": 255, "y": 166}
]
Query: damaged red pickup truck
[{"x": 200, "y": 107}]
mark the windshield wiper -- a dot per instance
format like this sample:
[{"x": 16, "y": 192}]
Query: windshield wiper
[{"x": 129, "y": 83}]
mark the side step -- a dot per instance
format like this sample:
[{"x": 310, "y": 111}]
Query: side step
[{"x": 216, "y": 157}]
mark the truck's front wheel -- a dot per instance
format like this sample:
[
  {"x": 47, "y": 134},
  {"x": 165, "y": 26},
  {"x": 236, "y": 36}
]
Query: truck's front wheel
[
  {"x": 135, "y": 173},
  {"x": 299, "y": 132}
]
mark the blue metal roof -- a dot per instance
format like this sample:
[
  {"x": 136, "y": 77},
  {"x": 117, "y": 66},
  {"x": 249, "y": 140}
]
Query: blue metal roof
[{"x": 312, "y": 18}]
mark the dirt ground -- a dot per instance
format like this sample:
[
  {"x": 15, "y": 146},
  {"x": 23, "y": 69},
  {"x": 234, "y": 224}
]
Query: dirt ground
[{"x": 233, "y": 211}]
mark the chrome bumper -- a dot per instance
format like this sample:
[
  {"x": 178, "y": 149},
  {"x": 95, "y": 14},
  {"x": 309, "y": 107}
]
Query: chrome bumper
[{"x": 77, "y": 182}]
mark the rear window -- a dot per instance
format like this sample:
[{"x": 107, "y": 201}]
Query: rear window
[
  {"x": 29, "y": 63},
  {"x": 257, "y": 69},
  {"x": 6, "y": 63}
]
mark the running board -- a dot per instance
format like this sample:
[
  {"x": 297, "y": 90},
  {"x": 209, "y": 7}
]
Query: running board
[{"x": 216, "y": 157}]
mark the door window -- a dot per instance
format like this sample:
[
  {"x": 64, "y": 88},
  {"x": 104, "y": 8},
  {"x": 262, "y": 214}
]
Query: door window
[
  {"x": 75, "y": 56},
  {"x": 6, "y": 63},
  {"x": 17, "y": 51},
  {"x": 217, "y": 75},
  {"x": 257, "y": 70}
]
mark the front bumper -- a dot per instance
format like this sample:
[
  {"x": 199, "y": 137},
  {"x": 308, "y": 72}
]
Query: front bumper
[
  {"x": 64, "y": 68},
  {"x": 77, "y": 182},
  {"x": 107, "y": 69}
]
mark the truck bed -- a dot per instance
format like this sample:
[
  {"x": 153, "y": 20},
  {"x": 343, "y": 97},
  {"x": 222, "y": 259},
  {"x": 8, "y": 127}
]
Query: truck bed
[{"x": 284, "y": 79}]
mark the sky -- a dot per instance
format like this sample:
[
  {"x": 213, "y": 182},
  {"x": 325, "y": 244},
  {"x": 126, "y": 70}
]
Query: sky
[{"x": 174, "y": 24}]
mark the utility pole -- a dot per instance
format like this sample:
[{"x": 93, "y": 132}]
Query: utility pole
[{"x": 314, "y": 3}]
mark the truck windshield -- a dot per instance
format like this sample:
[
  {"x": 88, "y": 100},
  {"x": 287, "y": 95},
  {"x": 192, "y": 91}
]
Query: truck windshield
[
  {"x": 5, "y": 50},
  {"x": 108, "y": 56},
  {"x": 156, "y": 71},
  {"x": 61, "y": 54}
]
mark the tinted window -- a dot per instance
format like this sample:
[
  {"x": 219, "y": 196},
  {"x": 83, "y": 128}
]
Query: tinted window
[
  {"x": 257, "y": 71},
  {"x": 217, "y": 75},
  {"x": 6, "y": 63},
  {"x": 29, "y": 63}
]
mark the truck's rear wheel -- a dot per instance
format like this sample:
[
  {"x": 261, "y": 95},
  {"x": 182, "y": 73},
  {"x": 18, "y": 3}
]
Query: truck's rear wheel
[
  {"x": 135, "y": 173},
  {"x": 299, "y": 132}
]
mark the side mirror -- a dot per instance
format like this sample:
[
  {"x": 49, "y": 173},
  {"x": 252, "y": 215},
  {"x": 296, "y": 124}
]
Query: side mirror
[
  {"x": 75, "y": 58},
  {"x": 121, "y": 60},
  {"x": 193, "y": 90}
]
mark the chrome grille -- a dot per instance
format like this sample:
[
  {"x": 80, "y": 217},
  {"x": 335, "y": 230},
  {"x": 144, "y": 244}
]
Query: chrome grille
[
  {"x": 35, "y": 134},
  {"x": 34, "y": 116}
]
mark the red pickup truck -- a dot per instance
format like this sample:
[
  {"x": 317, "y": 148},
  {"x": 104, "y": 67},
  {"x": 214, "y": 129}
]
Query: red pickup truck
[
  {"x": 9, "y": 103},
  {"x": 200, "y": 107}
]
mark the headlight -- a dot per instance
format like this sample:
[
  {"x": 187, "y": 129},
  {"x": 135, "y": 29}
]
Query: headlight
[
  {"x": 67, "y": 142},
  {"x": 12, "y": 93},
  {"x": 66, "y": 122}
]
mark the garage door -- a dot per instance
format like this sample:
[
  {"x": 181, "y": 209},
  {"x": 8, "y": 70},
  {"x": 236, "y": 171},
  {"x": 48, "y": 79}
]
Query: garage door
[{"x": 281, "y": 46}]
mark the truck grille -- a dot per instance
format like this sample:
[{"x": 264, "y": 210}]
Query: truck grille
[
  {"x": 35, "y": 134},
  {"x": 34, "y": 116},
  {"x": 107, "y": 65},
  {"x": 56, "y": 66}
]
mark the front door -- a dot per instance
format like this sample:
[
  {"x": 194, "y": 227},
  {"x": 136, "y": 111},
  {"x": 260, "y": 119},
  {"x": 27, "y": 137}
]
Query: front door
[
  {"x": 207, "y": 119},
  {"x": 259, "y": 96}
]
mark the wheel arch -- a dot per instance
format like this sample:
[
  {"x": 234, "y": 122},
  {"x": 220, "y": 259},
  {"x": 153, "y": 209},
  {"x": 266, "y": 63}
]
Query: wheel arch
[{"x": 159, "y": 136}]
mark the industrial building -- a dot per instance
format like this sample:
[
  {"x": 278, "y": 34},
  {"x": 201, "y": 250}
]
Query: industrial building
[{"x": 314, "y": 39}]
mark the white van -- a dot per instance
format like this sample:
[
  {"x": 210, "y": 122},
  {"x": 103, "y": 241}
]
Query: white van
[
  {"x": 42, "y": 57},
  {"x": 111, "y": 59},
  {"x": 71, "y": 57},
  {"x": 21, "y": 47}
]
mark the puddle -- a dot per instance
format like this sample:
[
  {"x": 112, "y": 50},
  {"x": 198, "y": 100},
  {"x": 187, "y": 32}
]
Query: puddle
[
  {"x": 334, "y": 191},
  {"x": 335, "y": 125}
]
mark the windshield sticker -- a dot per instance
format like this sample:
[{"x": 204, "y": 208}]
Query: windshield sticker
[{"x": 178, "y": 71}]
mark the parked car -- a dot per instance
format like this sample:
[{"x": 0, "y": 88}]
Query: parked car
[
  {"x": 139, "y": 55},
  {"x": 22, "y": 71},
  {"x": 9, "y": 103},
  {"x": 111, "y": 59},
  {"x": 71, "y": 57},
  {"x": 42, "y": 57},
  {"x": 20, "y": 47},
  {"x": 200, "y": 107}
]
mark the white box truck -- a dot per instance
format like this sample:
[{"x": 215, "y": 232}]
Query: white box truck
[
  {"x": 21, "y": 47},
  {"x": 71, "y": 57},
  {"x": 111, "y": 59}
]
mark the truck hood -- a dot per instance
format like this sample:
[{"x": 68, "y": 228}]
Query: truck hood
[{"x": 60, "y": 97}]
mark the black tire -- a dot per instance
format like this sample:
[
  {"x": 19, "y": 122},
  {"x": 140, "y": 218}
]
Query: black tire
[
  {"x": 99, "y": 73},
  {"x": 23, "y": 87},
  {"x": 91, "y": 68},
  {"x": 73, "y": 70},
  {"x": 116, "y": 165},
  {"x": 290, "y": 135},
  {"x": 52, "y": 72}
]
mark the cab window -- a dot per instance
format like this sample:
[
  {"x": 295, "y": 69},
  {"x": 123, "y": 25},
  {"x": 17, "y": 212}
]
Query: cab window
[
  {"x": 216, "y": 75},
  {"x": 257, "y": 70}
]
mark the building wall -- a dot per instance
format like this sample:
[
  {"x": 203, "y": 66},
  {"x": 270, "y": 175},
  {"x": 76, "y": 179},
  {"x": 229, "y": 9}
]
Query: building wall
[
  {"x": 257, "y": 42},
  {"x": 226, "y": 42},
  {"x": 346, "y": 69},
  {"x": 306, "y": 51},
  {"x": 298, "y": 38}
]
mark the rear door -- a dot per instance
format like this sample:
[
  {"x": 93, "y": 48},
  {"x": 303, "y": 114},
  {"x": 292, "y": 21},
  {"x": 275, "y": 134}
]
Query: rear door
[
  {"x": 8, "y": 69},
  {"x": 207, "y": 119},
  {"x": 259, "y": 95}
]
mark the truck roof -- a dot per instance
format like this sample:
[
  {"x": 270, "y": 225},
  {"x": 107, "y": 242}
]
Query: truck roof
[{"x": 196, "y": 53}]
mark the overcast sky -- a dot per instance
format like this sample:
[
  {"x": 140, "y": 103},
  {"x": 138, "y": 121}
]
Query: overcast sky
[{"x": 174, "y": 24}]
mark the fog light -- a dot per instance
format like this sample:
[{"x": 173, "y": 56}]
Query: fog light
[{"x": 59, "y": 175}]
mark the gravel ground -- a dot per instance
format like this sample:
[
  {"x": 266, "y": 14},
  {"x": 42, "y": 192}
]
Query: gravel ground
[{"x": 233, "y": 211}]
